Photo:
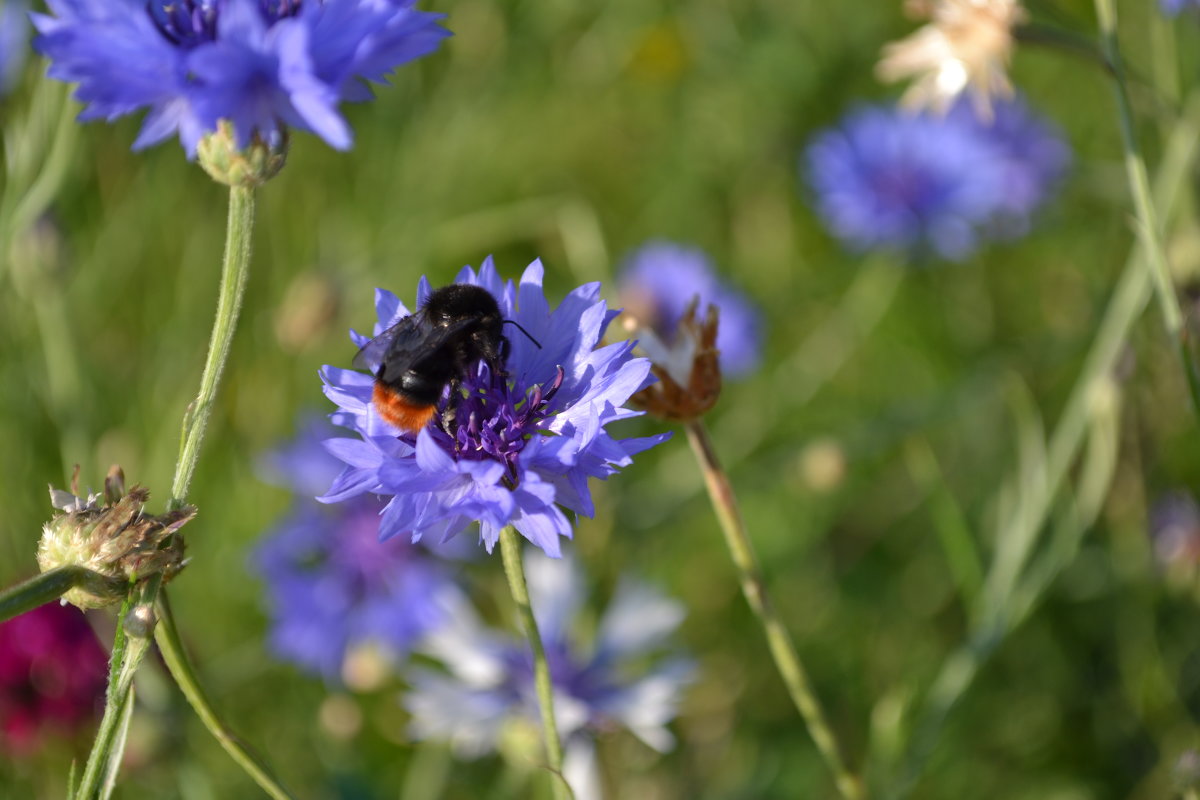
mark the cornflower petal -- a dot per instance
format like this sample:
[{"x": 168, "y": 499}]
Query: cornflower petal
[
  {"x": 929, "y": 185},
  {"x": 262, "y": 67},
  {"x": 332, "y": 585}
]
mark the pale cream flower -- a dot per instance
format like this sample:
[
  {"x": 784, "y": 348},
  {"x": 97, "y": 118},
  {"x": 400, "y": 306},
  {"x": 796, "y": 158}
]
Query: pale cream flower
[{"x": 967, "y": 45}]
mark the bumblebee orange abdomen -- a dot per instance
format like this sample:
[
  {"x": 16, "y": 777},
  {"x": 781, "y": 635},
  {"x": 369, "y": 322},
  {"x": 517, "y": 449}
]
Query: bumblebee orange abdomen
[{"x": 399, "y": 411}]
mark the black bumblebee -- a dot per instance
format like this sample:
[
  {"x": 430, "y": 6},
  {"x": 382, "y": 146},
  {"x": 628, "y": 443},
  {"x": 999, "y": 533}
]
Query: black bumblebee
[{"x": 459, "y": 326}]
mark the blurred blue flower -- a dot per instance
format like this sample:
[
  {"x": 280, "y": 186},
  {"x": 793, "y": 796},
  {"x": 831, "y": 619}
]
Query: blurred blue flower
[
  {"x": 923, "y": 184},
  {"x": 14, "y": 41},
  {"x": 515, "y": 449},
  {"x": 617, "y": 680},
  {"x": 1174, "y": 7},
  {"x": 1175, "y": 531},
  {"x": 660, "y": 280},
  {"x": 332, "y": 585},
  {"x": 262, "y": 64}
]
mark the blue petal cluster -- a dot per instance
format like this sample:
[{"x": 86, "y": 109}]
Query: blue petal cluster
[
  {"x": 14, "y": 41},
  {"x": 262, "y": 64},
  {"x": 1174, "y": 7},
  {"x": 332, "y": 585},
  {"x": 660, "y": 280},
  {"x": 617, "y": 680},
  {"x": 516, "y": 449},
  {"x": 929, "y": 185}
]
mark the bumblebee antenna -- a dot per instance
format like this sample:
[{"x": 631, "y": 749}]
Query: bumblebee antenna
[{"x": 528, "y": 335}]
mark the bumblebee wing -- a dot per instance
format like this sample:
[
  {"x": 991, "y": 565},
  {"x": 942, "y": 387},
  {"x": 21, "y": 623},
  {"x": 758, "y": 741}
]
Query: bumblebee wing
[
  {"x": 405, "y": 344},
  {"x": 371, "y": 355}
]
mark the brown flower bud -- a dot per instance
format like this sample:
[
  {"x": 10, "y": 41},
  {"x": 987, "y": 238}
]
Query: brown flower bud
[
  {"x": 688, "y": 371},
  {"x": 116, "y": 539}
]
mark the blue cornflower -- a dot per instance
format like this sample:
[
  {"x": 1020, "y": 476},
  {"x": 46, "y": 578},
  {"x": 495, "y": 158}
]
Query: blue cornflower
[
  {"x": 927, "y": 184},
  {"x": 263, "y": 65},
  {"x": 332, "y": 585},
  {"x": 1175, "y": 531},
  {"x": 513, "y": 449},
  {"x": 1174, "y": 7},
  {"x": 659, "y": 281},
  {"x": 14, "y": 41},
  {"x": 612, "y": 681}
]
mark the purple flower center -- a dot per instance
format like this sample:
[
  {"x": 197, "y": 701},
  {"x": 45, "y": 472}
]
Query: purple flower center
[
  {"x": 488, "y": 419},
  {"x": 189, "y": 23}
]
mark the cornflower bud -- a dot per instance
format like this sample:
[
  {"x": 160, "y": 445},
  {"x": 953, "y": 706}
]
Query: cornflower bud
[{"x": 245, "y": 167}]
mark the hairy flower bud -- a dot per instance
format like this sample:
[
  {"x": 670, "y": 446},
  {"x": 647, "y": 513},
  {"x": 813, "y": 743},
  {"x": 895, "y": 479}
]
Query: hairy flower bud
[
  {"x": 247, "y": 167},
  {"x": 115, "y": 538},
  {"x": 688, "y": 370}
]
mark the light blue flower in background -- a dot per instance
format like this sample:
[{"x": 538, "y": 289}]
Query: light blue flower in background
[
  {"x": 488, "y": 683},
  {"x": 14, "y": 42}
]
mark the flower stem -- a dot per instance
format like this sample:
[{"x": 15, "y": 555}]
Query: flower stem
[
  {"x": 998, "y": 614},
  {"x": 514, "y": 569},
  {"x": 51, "y": 585},
  {"x": 110, "y": 737},
  {"x": 180, "y": 666},
  {"x": 1149, "y": 227},
  {"x": 229, "y": 304},
  {"x": 725, "y": 504},
  {"x": 103, "y": 762}
]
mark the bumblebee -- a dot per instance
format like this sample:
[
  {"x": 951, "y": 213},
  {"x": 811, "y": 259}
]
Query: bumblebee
[{"x": 457, "y": 327}]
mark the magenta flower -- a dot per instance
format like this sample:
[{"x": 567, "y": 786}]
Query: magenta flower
[{"x": 53, "y": 675}]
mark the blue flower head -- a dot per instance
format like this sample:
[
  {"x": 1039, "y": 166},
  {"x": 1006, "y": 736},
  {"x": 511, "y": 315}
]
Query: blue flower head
[
  {"x": 619, "y": 679},
  {"x": 515, "y": 448},
  {"x": 332, "y": 585},
  {"x": 924, "y": 184},
  {"x": 662, "y": 278},
  {"x": 1174, "y": 7},
  {"x": 263, "y": 65},
  {"x": 14, "y": 42}
]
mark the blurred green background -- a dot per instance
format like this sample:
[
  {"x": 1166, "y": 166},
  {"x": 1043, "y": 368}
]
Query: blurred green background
[{"x": 884, "y": 411}]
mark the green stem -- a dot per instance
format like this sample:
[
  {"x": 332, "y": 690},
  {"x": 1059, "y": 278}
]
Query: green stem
[
  {"x": 1149, "y": 227},
  {"x": 514, "y": 569},
  {"x": 788, "y": 663},
  {"x": 180, "y": 666},
  {"x": 128, "y": 651},
  {"x": 110, "y": 736},
  {"x": 26, "y": 195},
  {"x": 51, "y": 585},
  {"x": 1128, "y": 301},
  {"x": 234, "y": 272}
]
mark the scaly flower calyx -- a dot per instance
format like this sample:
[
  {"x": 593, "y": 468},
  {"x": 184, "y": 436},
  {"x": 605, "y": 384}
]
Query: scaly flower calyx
[
  {"x": 245, "y": 167},
  {"x": 113, "y": 538}
]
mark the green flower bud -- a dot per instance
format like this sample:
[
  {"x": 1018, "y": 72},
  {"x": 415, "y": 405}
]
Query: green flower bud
[
  {"x": 115, "y": 539},
  {"x": 247, "y": 168}
]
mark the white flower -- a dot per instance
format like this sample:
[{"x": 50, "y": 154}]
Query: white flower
[{"x": 967, "y": 45}]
